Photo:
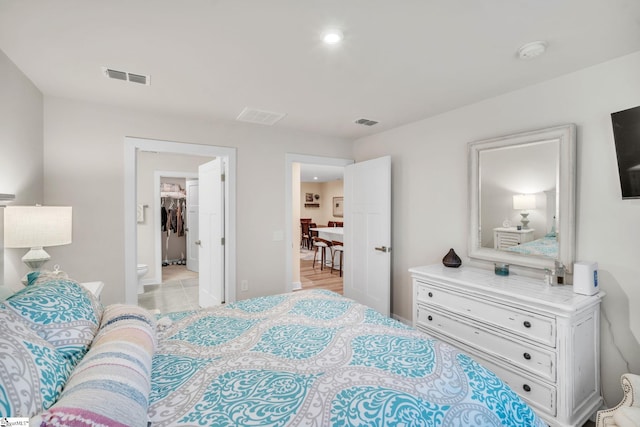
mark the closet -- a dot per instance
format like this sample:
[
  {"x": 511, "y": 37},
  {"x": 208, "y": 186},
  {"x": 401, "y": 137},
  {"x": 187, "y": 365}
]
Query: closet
[{"x": 173, "y": 215}]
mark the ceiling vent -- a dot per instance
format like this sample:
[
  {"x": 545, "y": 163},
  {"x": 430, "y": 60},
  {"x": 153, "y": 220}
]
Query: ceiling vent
[
  {"x": 366, "y": 122},
  {"x": 126, "y": 76},
  {"x": 260, "y": 117}
]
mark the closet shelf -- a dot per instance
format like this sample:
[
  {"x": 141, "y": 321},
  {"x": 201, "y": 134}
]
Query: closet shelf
[{"x": 173, "y": 194}]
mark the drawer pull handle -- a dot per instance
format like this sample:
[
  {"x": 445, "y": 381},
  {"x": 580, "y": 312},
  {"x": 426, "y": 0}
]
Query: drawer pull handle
[
  {"x": 430, "y": 294},
  {"x": 527, "y": 356},
  {"x": 526, "y": 387},
  {"x": 527, "y": 324},
  {"x": 429, "y": 317}
]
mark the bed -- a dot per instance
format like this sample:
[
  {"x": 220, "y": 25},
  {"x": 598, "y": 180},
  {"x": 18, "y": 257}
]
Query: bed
[
  {"x": 309, "y": 358},
  {"x": 546, "y": 246}
]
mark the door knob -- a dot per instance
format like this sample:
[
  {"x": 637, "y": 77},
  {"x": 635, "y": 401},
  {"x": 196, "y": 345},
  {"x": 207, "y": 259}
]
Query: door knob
[
  {"x": 382, "y": 249},
  {"x": 198, "y": 242}
]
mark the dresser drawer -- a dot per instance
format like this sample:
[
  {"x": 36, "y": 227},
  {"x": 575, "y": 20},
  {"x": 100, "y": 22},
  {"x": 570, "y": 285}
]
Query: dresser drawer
[
  {"x": 507, "y": 240},
  {"x": 538, "y": 361},
  {"x": 539, "y": 395},
  {"x": 534, "y": 326}
]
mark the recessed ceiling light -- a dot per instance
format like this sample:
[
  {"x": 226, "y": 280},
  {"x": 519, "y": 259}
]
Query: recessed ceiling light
[
  {"x": 531, "y": 50},
  {"x": 332, "y": 36}
]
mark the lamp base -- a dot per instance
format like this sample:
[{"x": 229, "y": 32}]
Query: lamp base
[
  {"x": 36, "y": 258},
  {"x": 524, "y": 220}
]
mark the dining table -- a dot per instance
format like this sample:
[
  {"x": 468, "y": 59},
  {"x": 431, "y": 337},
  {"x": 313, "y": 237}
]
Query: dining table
[{"x": 330, "y": 233}]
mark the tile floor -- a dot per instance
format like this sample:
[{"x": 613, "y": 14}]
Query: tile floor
[{"x": 177, "y": 292}]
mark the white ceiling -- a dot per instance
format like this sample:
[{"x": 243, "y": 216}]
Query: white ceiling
[
  {"x": 400, "y": 60},
  {"x": 320, "y": 173}
]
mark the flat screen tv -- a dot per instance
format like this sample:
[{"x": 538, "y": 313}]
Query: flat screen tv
[{"x": 626, "y": 134}]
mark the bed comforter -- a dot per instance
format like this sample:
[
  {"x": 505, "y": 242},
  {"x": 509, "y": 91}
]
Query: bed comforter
[
  {"x": 310, "y": 358},
  {"x": 546, "y": 246},
  {"x": 314, "y": 358}
]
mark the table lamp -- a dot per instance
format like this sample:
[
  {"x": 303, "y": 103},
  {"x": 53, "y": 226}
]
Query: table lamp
[
  {"x": 523, "y": 202},
  {"x": 36, "y": 227}
]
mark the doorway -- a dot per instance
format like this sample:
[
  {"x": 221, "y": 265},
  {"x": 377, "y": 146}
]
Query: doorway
[
  {"x": 320, "y": 187},
  {"x": 293, "y": 201},
  {"x": 166, "y": 283},
  {"x": 133, "y": 146}
]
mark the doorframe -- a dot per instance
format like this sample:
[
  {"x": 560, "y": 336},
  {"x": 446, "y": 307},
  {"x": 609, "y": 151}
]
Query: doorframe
[
  {"x": 290, "y": 159},
  {"x": 131, "y": 147},
  {"x": 157, "y": 176}
]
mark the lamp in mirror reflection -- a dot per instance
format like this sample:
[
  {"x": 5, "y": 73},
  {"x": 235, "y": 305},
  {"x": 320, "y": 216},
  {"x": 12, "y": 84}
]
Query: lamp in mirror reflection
[
  {"x": 36, "y": 227},
  {"x": 523, "y": 203}
]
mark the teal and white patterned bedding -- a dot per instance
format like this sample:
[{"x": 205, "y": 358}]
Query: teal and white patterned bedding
[
  {"x": 546, "y": 246},
  {"x": 314, "y": 358}
]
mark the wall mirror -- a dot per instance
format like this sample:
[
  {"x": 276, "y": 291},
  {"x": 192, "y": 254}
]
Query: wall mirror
[{"x": 522, "y": 198}]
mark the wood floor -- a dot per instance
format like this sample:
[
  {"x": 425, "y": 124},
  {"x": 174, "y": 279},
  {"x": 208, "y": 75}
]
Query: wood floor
[{"x": 319, "y": 279}]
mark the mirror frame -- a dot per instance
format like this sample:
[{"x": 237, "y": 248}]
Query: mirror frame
[{"x": 565, "y": 197}]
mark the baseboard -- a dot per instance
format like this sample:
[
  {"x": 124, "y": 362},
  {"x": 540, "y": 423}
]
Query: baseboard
[
  {"x": 402, "y": 320},
  {"x": 296, "y": 286}
]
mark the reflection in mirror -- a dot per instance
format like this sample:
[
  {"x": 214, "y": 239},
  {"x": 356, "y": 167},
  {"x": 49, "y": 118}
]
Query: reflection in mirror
[
  {"x": 521, "y": 198},
  {"x": 518, "y": 190}
]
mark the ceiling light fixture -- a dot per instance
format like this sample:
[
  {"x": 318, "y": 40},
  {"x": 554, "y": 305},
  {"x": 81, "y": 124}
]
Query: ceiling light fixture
[
  {"x": 332, "y": 36},
  {"x": 532, "y": 50}
]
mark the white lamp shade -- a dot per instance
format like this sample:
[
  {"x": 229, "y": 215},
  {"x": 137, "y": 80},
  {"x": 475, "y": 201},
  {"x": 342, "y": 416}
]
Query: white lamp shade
[
  {"x": 37, "y": 226},
  {"x": 523, "y": 202}
]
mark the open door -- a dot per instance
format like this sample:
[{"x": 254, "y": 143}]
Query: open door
[
  {"x": 211, "y": 234},
  {"x": 192, "y": 230},
  {"x": 367, "y": 233}
]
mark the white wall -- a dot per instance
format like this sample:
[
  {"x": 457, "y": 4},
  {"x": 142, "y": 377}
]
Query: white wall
[
  {"x": 21, "y": 158},
  {"x": 430, "y": 212},
  {"x": 84, "y": 167},
  {"x": 327, "y": 191}
]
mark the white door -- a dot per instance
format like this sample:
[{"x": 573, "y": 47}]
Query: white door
[
  {"x": 367, "y": 233},
  {"x": 211, "y": 224},
  {"x": 192, "y": 228}
]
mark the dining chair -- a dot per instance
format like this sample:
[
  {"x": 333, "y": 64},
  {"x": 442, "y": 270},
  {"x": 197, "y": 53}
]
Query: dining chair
[
  {"x": 312, "y": 234},
  {"x": 305, "y": 236},
  {"x": 336, "y": 248},
  {"x": 320, "y": 243}
]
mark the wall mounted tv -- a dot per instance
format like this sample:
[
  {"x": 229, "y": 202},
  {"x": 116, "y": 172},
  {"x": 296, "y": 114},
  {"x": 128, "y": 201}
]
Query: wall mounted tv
[{"x": 626, "y": 134}]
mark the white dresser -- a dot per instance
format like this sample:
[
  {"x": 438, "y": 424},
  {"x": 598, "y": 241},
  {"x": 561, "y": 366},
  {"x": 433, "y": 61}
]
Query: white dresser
[
  {"x": 505, "y": 237},
  {"x": 541, "y": 340}
]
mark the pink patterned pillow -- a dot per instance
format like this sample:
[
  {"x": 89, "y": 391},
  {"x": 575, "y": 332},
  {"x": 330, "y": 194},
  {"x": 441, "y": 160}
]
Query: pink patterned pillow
[{"x": 111, "y": 384}]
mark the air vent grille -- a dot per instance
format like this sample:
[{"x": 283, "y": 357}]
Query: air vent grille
[
  {"x": 118, "y": 75},
  {"x": 137, "y": 78},
  {"x": 366, "y": 122},
  {"x": 261, "y": 117},
  {"x": 126, "y": 76}
]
